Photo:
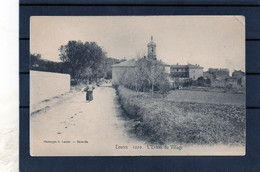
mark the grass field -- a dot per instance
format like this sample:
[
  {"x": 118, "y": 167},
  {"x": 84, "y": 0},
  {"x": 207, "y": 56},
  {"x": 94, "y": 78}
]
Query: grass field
[
  {"x": 186, "y": 117},
  {"x": 206, "y": 97}
]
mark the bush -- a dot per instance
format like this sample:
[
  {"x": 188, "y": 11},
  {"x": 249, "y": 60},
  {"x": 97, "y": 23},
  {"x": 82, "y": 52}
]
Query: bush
[
  {"x": 160, "y": 121},
  {"x": 203, "y": 82},
  {"x": 164, "y": 87}
]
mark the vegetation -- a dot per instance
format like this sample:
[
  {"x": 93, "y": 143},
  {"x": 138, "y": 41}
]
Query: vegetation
[
  {"x": 200, "y": 95},
  {"x": 203, "y": 82},
  {"x": 162, "y": 121},
  {"x": 83, "y": 61},
  {"x": 108, "y": 66},
  {"x": 148, "y": 75},
  {"x": 37, "y": 63}
]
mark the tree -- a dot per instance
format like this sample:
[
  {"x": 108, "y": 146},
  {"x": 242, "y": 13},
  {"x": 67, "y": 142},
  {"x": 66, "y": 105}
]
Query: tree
[
  {"x": 37, "y": 63},
  {"x": 203, "y": 82},
  {"x": 147, "y": 74},
  {"x": 151, "y": 72},
  {"x": 34, "y": 60},
  {"x": 132, "y": 79},
  {"x": 82, "y": 58},
  {"x": 156, "y": 74},
  {"x": 164, "y": 87},
  {"x": 108, "y": 66}
]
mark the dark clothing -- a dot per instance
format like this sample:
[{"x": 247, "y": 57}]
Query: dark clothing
[{"x": 89, "y": 95}]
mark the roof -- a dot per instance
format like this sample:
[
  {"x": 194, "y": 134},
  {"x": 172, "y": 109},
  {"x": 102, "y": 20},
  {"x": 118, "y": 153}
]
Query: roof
[
  {"x": 218, "y": 69},
  {"x": 195, "y": 66},
  {"x": 128, "y": 63},
  {"x": 163, "y": 63},
  {"x": 179, "y": 66},
  {"x": 187, "y": 66}
]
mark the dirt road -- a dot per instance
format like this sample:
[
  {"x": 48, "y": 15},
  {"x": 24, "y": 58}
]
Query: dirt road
[{"x": 72, "y": 127}]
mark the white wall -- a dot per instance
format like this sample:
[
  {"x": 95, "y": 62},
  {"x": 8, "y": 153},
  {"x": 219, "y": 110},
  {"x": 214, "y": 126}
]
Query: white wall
[
  {"x": 195, "y": 73},
  {"x": 45, "y": 85},
  {"x": 167, "y": 69}
]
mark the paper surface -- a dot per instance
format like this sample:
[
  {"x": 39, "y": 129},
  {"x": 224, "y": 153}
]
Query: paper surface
[{"x": 187, "y": 47}]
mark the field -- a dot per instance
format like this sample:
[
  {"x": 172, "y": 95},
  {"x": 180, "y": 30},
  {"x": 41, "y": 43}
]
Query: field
[
  {"x": 206, "y": 97},
  {"x": 186, "y": 117}
]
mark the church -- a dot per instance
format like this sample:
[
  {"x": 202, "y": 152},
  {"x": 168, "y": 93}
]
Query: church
[{"x": 188, "y": 71}]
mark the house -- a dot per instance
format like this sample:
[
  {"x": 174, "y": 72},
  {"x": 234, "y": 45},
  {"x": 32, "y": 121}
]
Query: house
[
  {"x": 208, "y": 75},
  {"x": 220, "y": 78},
  {"x": 174, "y": 71},
  {"x": 238, "y": 74},
  {"x": 219, "y": 73},
  {"x": 118, "y": 70},
  {"x": 186, "y": 71},
  {"x": 232, "y": 82}
]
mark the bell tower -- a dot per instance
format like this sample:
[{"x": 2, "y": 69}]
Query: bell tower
[{"x": 151, "y": 49}]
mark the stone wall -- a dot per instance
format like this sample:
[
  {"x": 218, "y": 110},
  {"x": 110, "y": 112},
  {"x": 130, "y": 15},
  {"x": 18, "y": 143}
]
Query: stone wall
[{"x": 45, "y": 85}]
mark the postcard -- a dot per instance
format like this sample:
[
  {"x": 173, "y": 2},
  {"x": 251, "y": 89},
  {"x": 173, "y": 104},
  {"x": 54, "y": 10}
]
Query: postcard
[{"x": 137, "y": 86}]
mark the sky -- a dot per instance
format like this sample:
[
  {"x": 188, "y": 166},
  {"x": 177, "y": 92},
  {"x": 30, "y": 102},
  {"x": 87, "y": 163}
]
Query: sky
[{"x": 209, "y": 41}]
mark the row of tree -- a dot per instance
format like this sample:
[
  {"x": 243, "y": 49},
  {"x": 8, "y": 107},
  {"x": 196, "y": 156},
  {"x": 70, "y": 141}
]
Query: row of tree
[
  {"x": 37, "y": 63},
  {"x": 149, "y": 74},
  {"x": 83, "y": 61}
]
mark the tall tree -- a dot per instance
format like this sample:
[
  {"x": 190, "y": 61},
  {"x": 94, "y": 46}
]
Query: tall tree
[
  {"x": 147, "y": 74},
  {"x": 156, "y": 73},
  {"x": 152, "y": 71},
  {"x": 85, "y": 60}
]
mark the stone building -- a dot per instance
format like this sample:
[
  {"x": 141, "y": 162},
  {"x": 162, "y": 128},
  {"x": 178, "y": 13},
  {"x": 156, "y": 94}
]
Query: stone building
[
  {"x": 118, "y": 70},
  {"x": 221, "y": 78},
  {"x": 238, "y": 74},
  {"x": 208, "y": 75},
  {"x": 151, "y": 46},
  {"x": 231, "y": 82},
  {"x": 186, "y": 71},
  {"x": 240, "y": 77},
  {"x": 219, "y": 73}
]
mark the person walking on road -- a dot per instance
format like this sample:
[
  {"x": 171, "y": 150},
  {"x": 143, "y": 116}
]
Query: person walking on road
[{"x": 89, "y": 92}]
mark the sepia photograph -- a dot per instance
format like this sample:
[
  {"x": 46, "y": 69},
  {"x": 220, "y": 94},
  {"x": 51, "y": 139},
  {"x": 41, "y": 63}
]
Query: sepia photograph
[{"x": 137, "y": 86}]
